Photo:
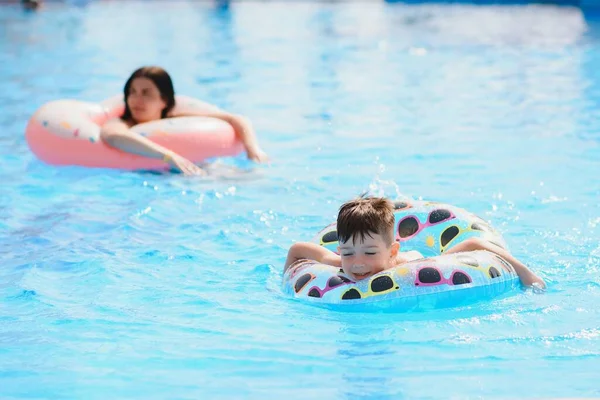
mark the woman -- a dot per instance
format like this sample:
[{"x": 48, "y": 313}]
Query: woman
[
  {"x": 31, "y": 4},
  {"x": 149, "y": 95}
]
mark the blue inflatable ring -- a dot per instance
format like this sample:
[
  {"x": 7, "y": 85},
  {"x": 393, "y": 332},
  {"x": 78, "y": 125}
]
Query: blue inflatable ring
[{"x": 436, "y": 281}]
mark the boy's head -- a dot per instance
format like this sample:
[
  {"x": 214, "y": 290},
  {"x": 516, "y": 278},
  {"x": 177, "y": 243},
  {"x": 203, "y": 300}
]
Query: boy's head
[{"x": 365, "y": 228}]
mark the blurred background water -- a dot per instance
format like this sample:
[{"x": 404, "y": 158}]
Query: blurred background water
[{"x": 122, "y": 284}]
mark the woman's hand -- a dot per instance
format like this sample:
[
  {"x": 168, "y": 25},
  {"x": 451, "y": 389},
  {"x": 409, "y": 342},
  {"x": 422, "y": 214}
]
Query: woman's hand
[
  {"x": 257, "y": 155},
  {"x": 184, "y": 165}
]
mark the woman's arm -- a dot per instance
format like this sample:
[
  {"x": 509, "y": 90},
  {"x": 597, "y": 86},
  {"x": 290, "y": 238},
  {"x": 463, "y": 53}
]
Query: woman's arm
[
  {"x": 116, "y": 133},
  {"x": 311, "y": 251},
  {"x": 241, "y": 125}
]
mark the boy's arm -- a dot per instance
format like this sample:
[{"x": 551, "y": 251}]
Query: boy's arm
[
  {"x": 311, "y": 251},
  {"x": 527, "y": 277}
]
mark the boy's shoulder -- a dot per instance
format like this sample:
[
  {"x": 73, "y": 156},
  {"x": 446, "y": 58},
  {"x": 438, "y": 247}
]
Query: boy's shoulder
[{"x": 406, "y": 256}]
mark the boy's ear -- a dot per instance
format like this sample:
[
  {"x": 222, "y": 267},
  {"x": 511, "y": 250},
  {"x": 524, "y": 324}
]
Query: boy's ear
[{"x": 395, "y": 248}]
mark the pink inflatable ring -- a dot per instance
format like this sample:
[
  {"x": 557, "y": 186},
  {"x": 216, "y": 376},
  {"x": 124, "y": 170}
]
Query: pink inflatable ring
[{"x": 67, "y": 132}]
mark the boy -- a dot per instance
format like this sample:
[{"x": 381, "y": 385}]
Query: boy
[{"x": 365, "y": 228}]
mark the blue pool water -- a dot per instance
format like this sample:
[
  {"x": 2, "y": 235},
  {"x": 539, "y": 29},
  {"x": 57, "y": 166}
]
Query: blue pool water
[{"x": 138, "y": 285}]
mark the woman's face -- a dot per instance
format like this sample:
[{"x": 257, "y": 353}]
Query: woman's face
[{"x": 144, "y": 101}]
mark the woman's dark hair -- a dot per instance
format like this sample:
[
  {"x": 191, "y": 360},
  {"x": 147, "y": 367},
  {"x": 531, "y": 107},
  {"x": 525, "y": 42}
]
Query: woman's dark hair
[
  {"x": 31, "y": 4},
  {"x": 163, "y": 82}
]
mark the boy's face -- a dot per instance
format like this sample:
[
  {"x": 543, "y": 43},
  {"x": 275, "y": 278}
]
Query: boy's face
[{"x": 362, "y": 259}]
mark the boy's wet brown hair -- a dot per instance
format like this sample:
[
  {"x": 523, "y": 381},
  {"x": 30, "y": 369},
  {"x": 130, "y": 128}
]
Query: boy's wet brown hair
[{"x": 365, "y": 216}]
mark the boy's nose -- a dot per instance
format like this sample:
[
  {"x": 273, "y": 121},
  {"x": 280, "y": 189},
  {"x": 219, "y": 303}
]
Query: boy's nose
[{"x": 358, "y": 267}]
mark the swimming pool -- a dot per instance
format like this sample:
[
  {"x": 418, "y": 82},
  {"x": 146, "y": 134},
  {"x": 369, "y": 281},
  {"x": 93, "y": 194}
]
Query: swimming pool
[{"x": 147, "y": 285}]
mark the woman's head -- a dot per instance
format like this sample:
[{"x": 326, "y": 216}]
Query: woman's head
[
  {"x": 149, "y": 95},
  {"x": 31, "y": 4}
]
